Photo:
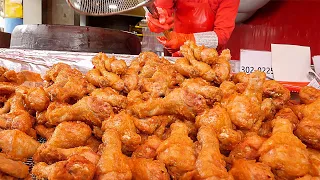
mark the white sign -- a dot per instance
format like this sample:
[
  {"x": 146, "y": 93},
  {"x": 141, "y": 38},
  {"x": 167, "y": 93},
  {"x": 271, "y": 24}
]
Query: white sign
[
  {"x": 316, "y": 63},
  {"x": 290, "y": 62},
  {"x": 251, "y": 61}
]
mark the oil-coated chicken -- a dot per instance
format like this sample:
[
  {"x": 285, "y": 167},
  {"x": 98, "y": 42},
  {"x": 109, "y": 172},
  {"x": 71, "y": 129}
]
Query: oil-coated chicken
[
  {"x": 13, "y": 168},
  {"x": 148, "y": 169},
  {"x": 210, "y": 163},
  {"x": 250, "y": 170},
  {"x": 112, "y": 164},
  {"x": 309, "y": 94},
  {"x": 308, "y": 130},
  {"x": 124, "y": 125},
  {"x": 314, "y": 157},
  {"x": 66, "y": 84},
  {"x": 69, "y": 135},
  {"x": 178, "y": 152},
  {"x": 17, "y": 145},
  {"x": 76, "y": 167},
  {"x": 284, "y": 152},
  {"x": 107, "y": 72},
  {"x": 148, "y": 149}
]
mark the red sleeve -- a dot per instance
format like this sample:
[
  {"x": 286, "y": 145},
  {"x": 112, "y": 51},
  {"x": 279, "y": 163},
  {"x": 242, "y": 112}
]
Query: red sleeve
[
  {"x": 165, "y": 4},
  {"x": 225, "y": 20}
]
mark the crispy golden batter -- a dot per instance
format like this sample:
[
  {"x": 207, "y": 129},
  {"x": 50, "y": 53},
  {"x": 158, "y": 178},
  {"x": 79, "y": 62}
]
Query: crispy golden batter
[
  {"x": 148, "y": 169},
  {"x": 309, "y": 94},
  {"x": 13, "y": 168},
  {"x": 249, "y": 169}
]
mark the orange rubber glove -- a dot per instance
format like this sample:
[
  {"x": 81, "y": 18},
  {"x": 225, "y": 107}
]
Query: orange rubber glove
[
  {"x": 165, "y": 21},
  {"x": 174, "y": 40}
]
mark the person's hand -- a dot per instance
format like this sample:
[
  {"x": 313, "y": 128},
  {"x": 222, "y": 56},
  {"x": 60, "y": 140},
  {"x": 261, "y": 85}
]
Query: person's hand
[
  {"x": 165, "y": 21},
  {"x": 172, "y": 41}
]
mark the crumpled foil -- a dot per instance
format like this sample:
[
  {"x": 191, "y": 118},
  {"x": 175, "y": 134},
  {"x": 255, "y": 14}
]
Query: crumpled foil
[{"x": 40, "y": 61}]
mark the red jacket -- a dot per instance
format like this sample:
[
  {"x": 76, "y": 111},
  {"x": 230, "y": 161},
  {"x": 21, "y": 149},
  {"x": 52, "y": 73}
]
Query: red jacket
[{"x": 193, "y": 16}]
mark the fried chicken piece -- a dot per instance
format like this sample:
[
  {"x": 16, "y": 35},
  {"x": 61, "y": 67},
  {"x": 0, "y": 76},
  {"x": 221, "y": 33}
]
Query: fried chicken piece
[
  {"x": 314, "y": 157},
  {"x": 309, "y": 94},
  {"x": 163, "y": 131},
  {"x": 123, "y": 123},
  {"x": 44, "y": 131},
  {"x": 69, "y": 135},
  {"x": 199, "y": 86},
  {"x": 287, "y": 113},
  {"x": 244, "y": 170},
  {"x": 308, "y": 130},
  {"x": 50, "y": 154},
  {"x": 37, "y": 99},
  {"x": 278, "y": 151},
  {"x": 221, "y": 122},
  {"x": 66, "y": 84},
  {"x": 109, "y": 95},
  {"x": 131, "y": 77},
  {"x": 6, "y": 177},
  {"x": 76, "y": 167},
  {"x": 308, "y": 177},
  {"x": 204, "y": 62},
  {"x": 179, "y": 102},
  {"x": 93, "y": 143},
  {"x": 112, "y": 164},
  {"x": 210, "y": 163},
  {"x": 149, "y": 125},
  {"x": 277, "y": 92},
  {"x": 14, "y": 115},
  {"x": 178, "y": 151},
  {"x": 247, "y": 148},
  {"x": 148, "y": 169},
  {"x": 107, "y": 72},
  {"x": 91, "y": 110},
  {"x": 7, "y": 88},
  {"x": 268, "y": 108},
  {"x": 17, "y": 145},
  {"x": 245, "y": 109},
  {"x": 13, "y": 168},
  {"x": 148, "y": 149}
]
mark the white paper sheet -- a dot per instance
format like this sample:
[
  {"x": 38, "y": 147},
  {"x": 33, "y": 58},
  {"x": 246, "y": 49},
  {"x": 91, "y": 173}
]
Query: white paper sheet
[
  {"x": 290, "y": 63},
  {"x": 314, "y": 83},
  {"x": 316, "y": 63}
]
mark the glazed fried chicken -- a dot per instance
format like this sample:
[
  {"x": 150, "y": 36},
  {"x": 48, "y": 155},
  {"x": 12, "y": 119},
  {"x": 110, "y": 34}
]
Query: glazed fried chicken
[
  {"x": 69, "y": 135},
  {"x": 66, "y": 84},
  {"x": 180, "y": 102},
  {"x": 123, "y": 123},
  {"x": 50, "y": 154},
  {"x": 13, "y": 168},
  {"x": 76, "y": 167},
  {"x": 112, "y": 164},
  {"x": 178, "y": 152},
  {"x": 250, "y": 170},
  {"x": 107, "y": 72},
  {"x": 148, "y": 169},
  {"x": 309, "y": 94},
  {"x": 204, "y": 62},
  {"x": 245, "y": 109},
  {"x": 309, "y": 126},
  {"x": 90, "y": 109},
  {"x": 14, "y": 116},
  {"x": 284, "y": 152},
  {"x": 219, "y": 119},
  {"x": 210, "y": 163},
  {"x": 17, "y": 145}
]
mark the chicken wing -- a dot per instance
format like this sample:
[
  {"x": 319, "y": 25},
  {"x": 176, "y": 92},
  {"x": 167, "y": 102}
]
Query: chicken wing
[
  {"x": 69, "y": 135},
  {"x": 245, "y": 109},
  {"x": 113, "y": 164},
  {"x": 123, "y": 123},
  {"x": 90, "y": 109},
  {"x": 66, "y": 84},
  {"x": 278, "y": 151},
  {"x": 107, "y": 72},
  {"x": 109, "y": 95},
  {"x": 17, "y": 145},
  {"x": 76, "y": 167},
  {"x": 210, "y": 164},
  {"x": 148, "y": 149},
  {"x": 178, "y": 151},
  {"x": 13, "y": 168},
  {"x": 49, "y": 154},
  {"x": 44, "y": 131},
  {"x": 148, "y": 169},
  {"x": 277, "y": 92},
  {"x": 308, "y": 130},
  {"x": 250, "y": 170},
  {"x": 37, "y": 99},
  {"x": 309, "y": 94}
]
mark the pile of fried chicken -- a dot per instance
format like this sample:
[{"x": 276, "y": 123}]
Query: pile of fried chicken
[{"x": 156, "y": 120}]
